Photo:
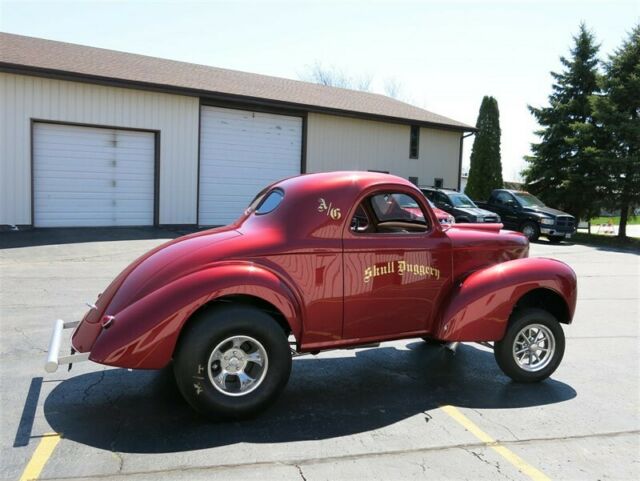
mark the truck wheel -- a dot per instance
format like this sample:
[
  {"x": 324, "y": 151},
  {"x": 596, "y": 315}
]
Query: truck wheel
[
  {"x": 232, "y": 362},
  {"x": 555, "y": 239},
  {"x": 532, "y": 347},
  {"x": 531, "y": 230}
]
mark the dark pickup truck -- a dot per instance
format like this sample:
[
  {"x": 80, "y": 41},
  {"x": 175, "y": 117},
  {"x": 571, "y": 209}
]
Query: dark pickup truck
[{"x": 526, "y": 213}]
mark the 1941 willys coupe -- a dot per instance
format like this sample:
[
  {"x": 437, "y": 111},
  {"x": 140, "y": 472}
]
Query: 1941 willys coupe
[{"x": 316, "y": 262}]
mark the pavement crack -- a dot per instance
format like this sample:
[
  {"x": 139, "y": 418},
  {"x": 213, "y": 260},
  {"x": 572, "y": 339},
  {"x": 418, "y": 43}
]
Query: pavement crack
[
  {"x": 496, "y": 423},
  {"x": 85, "y": 393},
  {"x": 300, "y": 472},
  {"x": 28, "y": 340},
  {"x": 480, "y": 457},
  {"x": 120, "y": 460}
]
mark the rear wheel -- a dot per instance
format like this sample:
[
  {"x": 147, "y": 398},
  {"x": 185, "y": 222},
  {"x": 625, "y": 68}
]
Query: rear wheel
[
  {"x": 532, "y": 347},
  {"x": 531, "y": 230},
  {"x": 232, "y": 362}
]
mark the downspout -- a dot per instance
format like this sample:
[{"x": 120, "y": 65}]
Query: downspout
[{"x": 462, "y": 137}]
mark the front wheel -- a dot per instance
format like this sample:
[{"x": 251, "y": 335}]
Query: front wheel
[
  {"x": 532, "y": 347},
  {"x": 531, "y": 230},
  {"x": 232, "y": 362}
]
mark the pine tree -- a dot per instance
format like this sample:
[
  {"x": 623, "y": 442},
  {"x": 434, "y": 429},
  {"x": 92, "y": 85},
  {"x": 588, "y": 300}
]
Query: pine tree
[
  {"x": 485, "y": 173},
  {"x": 564, "y": 169},
  {"x": 617, "y": 113}
]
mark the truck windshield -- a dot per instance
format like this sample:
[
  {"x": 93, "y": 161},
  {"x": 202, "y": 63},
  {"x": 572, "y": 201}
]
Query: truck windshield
[
  {"x": 461, "y": 200},
  {"x": 528, "y": 200}
]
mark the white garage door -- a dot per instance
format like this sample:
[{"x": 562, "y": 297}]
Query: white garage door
[
  {"x": 241, "y": 152},
  {"x": 85, "y": 176}
]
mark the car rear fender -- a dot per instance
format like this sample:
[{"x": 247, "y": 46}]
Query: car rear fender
[
  {"x": 144, "y": 334},
  {"x": 478, "y": 308}
]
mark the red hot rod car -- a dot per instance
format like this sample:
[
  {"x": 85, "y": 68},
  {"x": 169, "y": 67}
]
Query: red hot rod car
[{"x": 316, "y": 262}]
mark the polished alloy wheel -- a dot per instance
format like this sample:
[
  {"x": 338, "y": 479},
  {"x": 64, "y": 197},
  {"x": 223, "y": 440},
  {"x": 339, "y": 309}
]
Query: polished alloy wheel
[
  {"x": 534, "y": 347},
  {"x": 238, "y": 365}
]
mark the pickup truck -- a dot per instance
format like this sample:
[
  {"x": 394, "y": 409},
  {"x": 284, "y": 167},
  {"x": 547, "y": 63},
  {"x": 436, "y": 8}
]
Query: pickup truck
[{"x": 526, "y": 213}]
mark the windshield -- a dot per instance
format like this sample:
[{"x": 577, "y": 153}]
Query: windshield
[
  {"x": 461, "y": 200},
  {"x": 528, "y": 200}
]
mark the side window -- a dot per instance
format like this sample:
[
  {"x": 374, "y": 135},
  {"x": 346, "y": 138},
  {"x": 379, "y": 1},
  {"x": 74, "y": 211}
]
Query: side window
[
  {"x": 502, "y": 198},
  {"x": 270, "y": 202},
  {"x": 443, "y": 199},
  {"x": 396, "y": 212},
  {"x": 360, "y": 221}
]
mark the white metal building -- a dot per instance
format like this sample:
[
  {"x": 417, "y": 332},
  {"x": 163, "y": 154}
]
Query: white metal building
[{"x": 93, "y": 137}]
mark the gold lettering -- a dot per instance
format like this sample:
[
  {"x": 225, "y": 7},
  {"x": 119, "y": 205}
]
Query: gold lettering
[
  {"x": 368, "y": 274},
  {"x": 402, "y": 267}
]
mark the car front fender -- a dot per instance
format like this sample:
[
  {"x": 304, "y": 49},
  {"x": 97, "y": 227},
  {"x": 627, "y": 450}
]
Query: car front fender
[
  {"x": 478, "y": 308},
  {"x": 143, "y": 335}
]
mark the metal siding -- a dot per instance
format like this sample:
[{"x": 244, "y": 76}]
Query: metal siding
[
  {"x": 339, "y": 143},
  {"x": 23, "y": 98},
  {"x": 241, "y": 152},
  {"x": 87, "y": 176}
]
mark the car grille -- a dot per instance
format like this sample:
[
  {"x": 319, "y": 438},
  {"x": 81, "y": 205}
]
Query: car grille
[{"x": 565, "y": 221}]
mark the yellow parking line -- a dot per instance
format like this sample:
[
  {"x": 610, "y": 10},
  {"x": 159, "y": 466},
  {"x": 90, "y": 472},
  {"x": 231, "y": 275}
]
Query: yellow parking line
[
  {"x": 506, "y": 453},
  {"x": 40, "y": 457}
]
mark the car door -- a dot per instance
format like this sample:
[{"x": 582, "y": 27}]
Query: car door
[
  {"x": 506, "y": 204},
  {"x": 397, "y": 263}
]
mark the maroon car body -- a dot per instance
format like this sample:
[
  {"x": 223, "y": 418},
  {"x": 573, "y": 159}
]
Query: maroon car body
[{"x": 331, "y": 272}]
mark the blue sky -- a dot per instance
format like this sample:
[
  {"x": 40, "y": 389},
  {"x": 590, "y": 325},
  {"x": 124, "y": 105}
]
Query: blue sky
[{"x": 445, "y": 54}]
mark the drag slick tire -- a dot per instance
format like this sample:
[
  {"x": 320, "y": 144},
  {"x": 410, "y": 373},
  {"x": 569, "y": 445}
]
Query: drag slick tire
[
  {"x": 532, "y": 347},
  {"x": 232, "y": 362}
]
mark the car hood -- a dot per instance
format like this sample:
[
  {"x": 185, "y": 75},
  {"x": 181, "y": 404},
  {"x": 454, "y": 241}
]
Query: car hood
[
  {"x": 549, "y": 211},
  {"x": 476, "y": 211}
]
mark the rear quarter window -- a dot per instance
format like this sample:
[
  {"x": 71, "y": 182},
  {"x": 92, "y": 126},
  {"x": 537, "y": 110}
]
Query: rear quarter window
[{"x": 270, "y": 202}]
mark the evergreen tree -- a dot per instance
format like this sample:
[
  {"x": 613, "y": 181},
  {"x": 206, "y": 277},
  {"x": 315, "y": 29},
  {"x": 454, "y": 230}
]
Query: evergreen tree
[
  {"x": 564, "y": 169},
  {"x": 617, "y": 113},
  {"x": 485, "y": 173}
]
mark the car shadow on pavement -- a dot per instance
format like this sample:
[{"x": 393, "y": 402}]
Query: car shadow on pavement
[{"x": 327, "y": 397}]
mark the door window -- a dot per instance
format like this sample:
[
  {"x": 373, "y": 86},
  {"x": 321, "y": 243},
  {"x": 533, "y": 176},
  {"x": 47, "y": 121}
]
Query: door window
[
  {"x": 390, "y": 212},
  {"x": 503, "y": 198}
]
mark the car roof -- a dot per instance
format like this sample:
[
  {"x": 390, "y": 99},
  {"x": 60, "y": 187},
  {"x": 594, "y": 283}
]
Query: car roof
[
  {"x": 341, "y": 179},
  {"x": 444, "y": 191}
]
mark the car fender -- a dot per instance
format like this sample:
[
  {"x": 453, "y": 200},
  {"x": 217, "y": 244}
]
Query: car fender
[
  {"x": 144, "y": 334},
  {"x": 479, "y": 307}
]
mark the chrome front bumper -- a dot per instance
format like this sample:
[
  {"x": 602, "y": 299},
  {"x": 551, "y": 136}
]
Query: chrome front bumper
[{"x": 53, "y": 356}]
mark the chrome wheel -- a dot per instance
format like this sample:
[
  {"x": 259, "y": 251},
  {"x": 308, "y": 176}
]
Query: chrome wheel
[
  {"x": 534, "y": 347},
  {"x": 238, "y": 365}
]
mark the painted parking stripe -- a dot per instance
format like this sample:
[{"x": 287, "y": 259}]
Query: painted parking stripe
[
  {"x": 506, "y": 453},
  {"x": 40, "y": 457}
]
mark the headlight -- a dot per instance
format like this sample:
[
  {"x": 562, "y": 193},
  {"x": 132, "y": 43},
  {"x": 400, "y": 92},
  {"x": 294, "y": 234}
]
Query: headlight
[
  {"x": 547, "y": 221},
  {"x": 451, "y": 220}
]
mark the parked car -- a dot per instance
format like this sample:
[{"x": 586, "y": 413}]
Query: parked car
[
  {"x": 443, "y": 217},
  {"x": 459, "y": 205},
  {"x": 317, "y": 262},
  {"x": 526, "y": 213}
]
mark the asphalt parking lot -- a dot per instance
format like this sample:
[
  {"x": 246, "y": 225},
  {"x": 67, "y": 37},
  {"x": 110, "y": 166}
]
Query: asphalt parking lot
[{"x": 405, "y": 410}]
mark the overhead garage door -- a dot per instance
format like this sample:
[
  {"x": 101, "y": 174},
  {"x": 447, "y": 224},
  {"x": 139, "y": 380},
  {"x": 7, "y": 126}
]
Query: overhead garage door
[
  {"x": 85, "y": 176},
  {"x": 242, "y": 152}
]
